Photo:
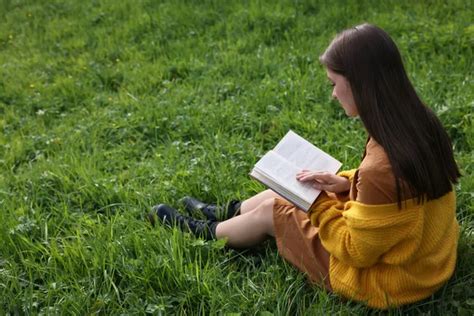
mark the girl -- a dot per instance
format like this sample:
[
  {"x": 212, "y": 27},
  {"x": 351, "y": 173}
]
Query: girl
[{"x": 386, "y": 234}]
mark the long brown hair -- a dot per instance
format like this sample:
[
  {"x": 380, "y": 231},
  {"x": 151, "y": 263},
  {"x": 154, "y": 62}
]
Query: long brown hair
[{"x": 416, "y": 143}]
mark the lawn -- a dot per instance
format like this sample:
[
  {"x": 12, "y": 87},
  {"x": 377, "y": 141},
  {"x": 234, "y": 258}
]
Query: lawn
[{"x": 110, "y": 107}]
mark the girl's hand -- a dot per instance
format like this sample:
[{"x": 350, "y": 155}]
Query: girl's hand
[{"x": 324, "y": 181}]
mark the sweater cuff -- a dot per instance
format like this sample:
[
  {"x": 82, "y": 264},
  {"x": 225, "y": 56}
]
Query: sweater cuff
[{"x": 348, "y": 174}]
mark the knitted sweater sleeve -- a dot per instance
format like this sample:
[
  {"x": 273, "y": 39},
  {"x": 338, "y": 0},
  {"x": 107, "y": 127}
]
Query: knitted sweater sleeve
[
  {"x": 349, "y": 175},
  {"x": 359, "y": 235}
]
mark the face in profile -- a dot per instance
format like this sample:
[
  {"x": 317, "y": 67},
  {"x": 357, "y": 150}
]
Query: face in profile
[{"x": 342, "y": 92}]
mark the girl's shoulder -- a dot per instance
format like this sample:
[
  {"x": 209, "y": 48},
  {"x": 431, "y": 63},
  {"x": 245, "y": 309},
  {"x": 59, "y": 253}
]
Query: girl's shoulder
[{"x": 374, "y": 182}]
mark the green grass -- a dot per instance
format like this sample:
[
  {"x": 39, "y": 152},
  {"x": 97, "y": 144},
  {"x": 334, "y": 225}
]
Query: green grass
[{"x": 110, "y": 107}]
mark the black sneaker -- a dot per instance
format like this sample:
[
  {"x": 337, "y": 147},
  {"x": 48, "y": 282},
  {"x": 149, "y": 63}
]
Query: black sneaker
[
  {"x": 211, "y": 211},
  {"x": 171, "y": 217}
]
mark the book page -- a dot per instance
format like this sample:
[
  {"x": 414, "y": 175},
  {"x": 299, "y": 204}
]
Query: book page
[
  {"x": 304, "y": 155},
  {"x": 281, "y": 190},
  {"x": 279, "y": 170}
]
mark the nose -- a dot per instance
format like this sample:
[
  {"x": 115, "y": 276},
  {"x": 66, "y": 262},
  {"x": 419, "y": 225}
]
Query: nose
[{"x": 334, "y": 96}]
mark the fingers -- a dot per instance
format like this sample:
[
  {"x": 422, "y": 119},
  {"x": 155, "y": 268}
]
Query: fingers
[
  {"x": 324, "y": 181},
  {"x": 323, "y": 186},
  {"x": 303, "y": 173},
  {"x": 340, "y": 184},
  {"x": 324, "y": 177},
  {"x": 306, "y": 175}
]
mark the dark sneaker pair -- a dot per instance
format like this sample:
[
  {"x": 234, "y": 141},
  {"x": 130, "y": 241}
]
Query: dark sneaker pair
[
  {"x": 171, "y": 217},
  {"x": 211, "y": 211},
  {"x": 200, "y": 228}
]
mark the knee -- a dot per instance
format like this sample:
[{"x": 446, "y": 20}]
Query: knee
[
  {"x": 264, "y": 211},
  {"x": 267, "y": 205},
  {"x": 270, "y": 194}
]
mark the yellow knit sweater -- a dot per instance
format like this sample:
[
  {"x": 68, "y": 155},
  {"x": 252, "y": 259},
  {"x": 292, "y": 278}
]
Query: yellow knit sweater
[{"x": 385, "y": 256}]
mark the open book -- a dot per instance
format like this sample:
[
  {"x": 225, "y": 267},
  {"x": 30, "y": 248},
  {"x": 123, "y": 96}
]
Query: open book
[{"x": 277, "y": 169}]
